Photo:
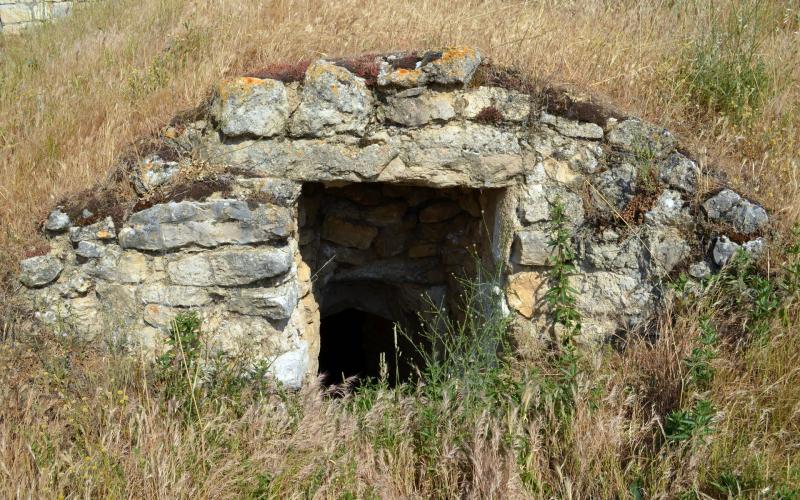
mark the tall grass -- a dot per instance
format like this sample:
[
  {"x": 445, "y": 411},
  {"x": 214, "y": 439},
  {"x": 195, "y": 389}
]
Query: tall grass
[
  {"x": 479, "y": 421},
  {"x": 707, "y": 409},
  {"x": 724, "y": 70}
]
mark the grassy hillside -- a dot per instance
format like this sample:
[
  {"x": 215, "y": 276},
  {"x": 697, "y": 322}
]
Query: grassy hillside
[{"x": 710, "y": 408}]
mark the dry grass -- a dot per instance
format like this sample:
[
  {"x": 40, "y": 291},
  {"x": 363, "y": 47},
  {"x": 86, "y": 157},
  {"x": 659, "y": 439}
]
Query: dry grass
[
  {"x": 75, "y": 421},
  {"x": 74, "y": 94}
]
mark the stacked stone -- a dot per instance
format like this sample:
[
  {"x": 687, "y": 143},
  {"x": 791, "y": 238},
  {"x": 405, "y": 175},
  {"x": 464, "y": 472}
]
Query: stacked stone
[
  {"x": 406, "y": 162},
  {"x": 388, "y": 233},
  {"x": 16, "y": 15}
]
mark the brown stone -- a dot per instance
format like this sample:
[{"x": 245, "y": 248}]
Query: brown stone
[
  {"x": 442, "y": 230},
  {"x": 363, "y": 194},
  {"x": 439, "y": 211},
  {"x": 391, "y": 241},
  {"x": 347, "y": 233},
  {"x": 413, "y": 195},
  {"x": 525, "y": 292},
  {"x": 470, "y": 204},
  {"x": 385, "y": 215},
  {"x": 346, "y": 255},
  {"x": 423, "y": 249}
]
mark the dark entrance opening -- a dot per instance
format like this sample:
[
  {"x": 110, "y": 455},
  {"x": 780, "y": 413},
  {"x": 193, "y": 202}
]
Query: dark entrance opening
[
  {"x": 385, "y": 254},
  {"x": 355, "y": 343}
]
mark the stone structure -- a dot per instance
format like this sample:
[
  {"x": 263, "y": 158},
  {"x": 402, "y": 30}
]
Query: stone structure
[
  {"x": 300, "y": 191},
  {"x": 16, "y": 15}
]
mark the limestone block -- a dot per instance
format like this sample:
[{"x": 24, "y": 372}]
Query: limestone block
[
  {"x": 604, "y": 295},
  {"x": 467, "y": 155},
  {"x": 582, "y": 156},
  {"x": 390, "y": 241},
  {"x": 362, "y": 194},
  {"x": 532, "y": 248},
  {"x": 395, "y": 270},
  {"x": 57, "y": 221},
  {"x": 251, "y": 106},
  {"x": 572, "y": 128},
  {"x": 724, "y": 250},
  {"x": 160, "y": 316},
  {"x": 191, "y": 270},
  {"x": 40, "y": 271},
  {"x": 174, "y": 295},
  {"x": 455, "y": 65},
  {"x": 244, "y": 266},
  {"x": 700, "y": 270},
  {"x": 743, "y": 215},
  {"x": 679, "y": 172},
  {"x": 612, "y": 255},
  {"x": 272, "y": 303},
  {"x": 290, "y": 367},
  {"x": 15, "y": 13},
  {"x": 272, "y": 190},
  {"x": 116, "y": 265},
  {"x": 118, "y": 301},
  {"x": 615, "y": 188},
  {"x": 59, "y": 9},
  {"x": 333, "y": 101},
  {"x": 209, "y": 224},
  {"x": 345, "y": 255},
  {"x": 423, "y": 249},
  {"x": 77, "y": 285},
  {"x": 669, "y": 209},
  {"x": 667, "y": 248},
  {"x": 642, "y": 138},
  {"x": 414, "y": 108},
  {"x": 513, "y": 106},
  {"x": 533, "y": 204},
  {"x": 448, "y": 66},
  {"x": 309, "y": 160},
  {"x": 89, "y": 249}
]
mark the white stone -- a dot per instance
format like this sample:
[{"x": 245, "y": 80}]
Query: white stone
[{"x": 290, "y": 367}]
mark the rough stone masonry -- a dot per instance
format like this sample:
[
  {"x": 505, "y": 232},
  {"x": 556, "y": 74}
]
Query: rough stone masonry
[
  {"x": 369, "y": 182},
  {"x": 17, "y": 15}
]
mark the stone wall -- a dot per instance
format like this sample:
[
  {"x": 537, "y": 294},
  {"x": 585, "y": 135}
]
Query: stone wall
[
  {"x": 367, "y": 183},
  {"x": 16, "y": 15}
]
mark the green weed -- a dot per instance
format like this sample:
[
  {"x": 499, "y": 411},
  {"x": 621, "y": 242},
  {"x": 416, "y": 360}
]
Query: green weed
[{"x": 690, "y": 424}]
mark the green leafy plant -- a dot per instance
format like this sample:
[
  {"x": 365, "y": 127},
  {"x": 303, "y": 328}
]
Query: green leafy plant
[
  {"x": 690, "y": 424},
  {"x": 699, "y": 361},
  {"x": 560, "y": 296},
  {"x": 561, "y": 300}
]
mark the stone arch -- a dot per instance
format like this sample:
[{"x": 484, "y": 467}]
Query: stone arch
[{"x": 215, "y": 217}]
